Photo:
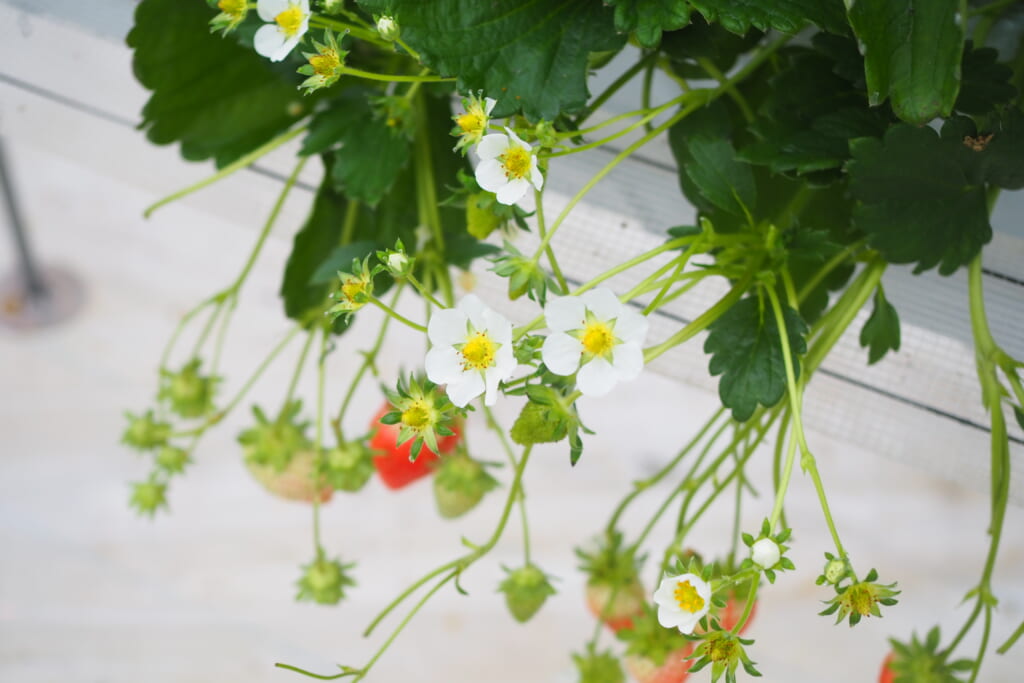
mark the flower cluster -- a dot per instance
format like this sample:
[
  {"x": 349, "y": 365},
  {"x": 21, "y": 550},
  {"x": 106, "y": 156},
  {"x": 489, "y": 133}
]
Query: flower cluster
[{"x": 287, "y": 21}]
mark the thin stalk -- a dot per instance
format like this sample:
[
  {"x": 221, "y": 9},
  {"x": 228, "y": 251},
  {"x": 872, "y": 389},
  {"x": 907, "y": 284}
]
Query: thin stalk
[
  {"x": 626, "y": 76},
  {"x": 396, "y": 315},
  {"x": 236, "y": 165}
]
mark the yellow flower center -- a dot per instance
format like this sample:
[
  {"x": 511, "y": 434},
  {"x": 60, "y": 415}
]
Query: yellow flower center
[
  {"x": 516, "y": 162},
  {"x": 416, "y": 415},
  {"x": 325, "y": 63},
  {"x": 472, "y": 122},
  {"x": 686, "y": 595},
  {"x": 352, "y": 288},
  {"x": 233, "y": 7},
  {"x": 290, "y": 21},
  {"x": 598, "y": 338},
  {"x": 478, "y": 352},
  {"x": 860, "y": 599}
]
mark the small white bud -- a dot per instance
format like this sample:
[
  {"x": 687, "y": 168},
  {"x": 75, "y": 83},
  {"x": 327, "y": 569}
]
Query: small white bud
[
  {"x": 765, "y": 553},
  {"x": 388, "y": 28}
]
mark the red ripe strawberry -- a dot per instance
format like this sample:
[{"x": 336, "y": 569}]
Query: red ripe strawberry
[
  {"x": 295, "y": 481},
  {"x": 887, "y": 675},
  {"x": 392, "y": 460},
  {"x": 674, "y": 669}
]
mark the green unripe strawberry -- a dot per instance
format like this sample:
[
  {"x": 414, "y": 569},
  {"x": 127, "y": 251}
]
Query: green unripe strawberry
[
  {"x": 148, "y": 496},
  {"x": 145, "y": 432},
  {"x": 538, "y": 424},
  {"x": 324, "y": 581},
  {"x": 460, "y": 482},
  {"x": 172, "y": 459},
  {"x": 189, "y": 393},
  {"x": 526, "y": 589},
  {"x": 599, "y": 667},
  {"x": 348, "y": 466}
]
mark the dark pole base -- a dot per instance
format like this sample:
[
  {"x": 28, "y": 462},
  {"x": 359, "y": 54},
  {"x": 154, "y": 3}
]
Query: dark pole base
[{"x": 23, "y": 309}]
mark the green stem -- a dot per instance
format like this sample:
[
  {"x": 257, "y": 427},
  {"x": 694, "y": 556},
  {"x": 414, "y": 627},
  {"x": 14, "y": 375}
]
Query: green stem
[
  {"x": 730, "y": 87},
  {"x": 542, "y": 231},
  {"x": 702, "y": 321},
  {"x": 412, "y": 53},
  {"x": 644, "y": 484},
  {"x": 296, "y": 374},
  {"x": 318, "y": 446},
  {"x": 393, "y": 78},
  {"x": 340, "y": 26},
  {"x": 626, "y": 76},
  {"x": 260, "y": 369},
  {"x": 507, "y": 446},
  {"x": 462, "y": 563},
  {"x": 289, "y": 667},
  {"x": 749, "y": 607},
  {"x": 236, "y": 165},
  {"x": 423, "y": 290},
  {"x": 397, "y": 316},
  {"x": 1005, "y": 647},
  {"x": 645, "y": 91},
  {"x": 369, "y": 358}
]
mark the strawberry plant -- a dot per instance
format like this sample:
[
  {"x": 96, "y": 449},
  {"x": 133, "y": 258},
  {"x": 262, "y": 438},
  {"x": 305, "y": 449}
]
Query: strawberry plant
[{"x": 819, "y": 143}]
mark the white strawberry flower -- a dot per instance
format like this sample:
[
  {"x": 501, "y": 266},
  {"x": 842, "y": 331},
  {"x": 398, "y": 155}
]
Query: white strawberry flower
[
  {"x": 287, "y": 21},
  {"x": 508, "y": 166},
  {"x": 472, "y": 351},
  {"x": 596, "y": 334},
  {"x": 682, "y": 601}
]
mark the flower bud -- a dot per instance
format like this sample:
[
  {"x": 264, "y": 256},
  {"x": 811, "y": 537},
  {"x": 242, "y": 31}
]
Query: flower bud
[
  {"x": 765, "y": 553},
  {"x": 388, "y": 28}
]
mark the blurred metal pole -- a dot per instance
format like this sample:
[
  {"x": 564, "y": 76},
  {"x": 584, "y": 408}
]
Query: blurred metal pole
[
  {"x": 34, "y": 296},
  {"x": 34, "y": 284}
]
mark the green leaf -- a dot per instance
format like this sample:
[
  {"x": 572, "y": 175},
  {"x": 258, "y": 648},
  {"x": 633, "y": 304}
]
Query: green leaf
[
  {"x": 881, "y": 331},
  {"x": 318, "y": 236},
  {"x": 788, "y": 16},
  {"x": 914, "y": 200},
  {"x": 721, "y": 179},
  {"x": 648, "y": 18},
  {"x": 1019, "y": 414},
  {"x": 215, "y": 97},
  {"x": 341, "y": 260},
  {"x": 746, "y": 350},
  {"x": 701, "y": 40},
  {"x": 912, "y": 51},
  {"x": 527, "y": 54},
  {"x": 985, "y": 83},
  {"x": 708, "y": 122},
  {"x": 995, "y": 156}
]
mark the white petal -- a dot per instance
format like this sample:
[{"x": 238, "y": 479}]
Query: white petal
[
  {"x": 596, "y": 378},
  {"x": 561, "y": 353},
  {"x": 631, "y": 326},
  {"x": 491, "y": 382},
  {"x": 286, "y": 47},
  {"x": 665, "y": 595},
  {"x": 565, "y": 313},
  {"x": 669, "y": 617},
  {"x": 516, "y": 140},
  {"x": 492, "y": 146},
  {"x": 268, "y": 9},
  {"x": 628, "y": 361},
  {"x": 490, "y": 175},
  {"x": 489, "y": 103},
  {"x": 688, "y": 623},
  {"x": 268, "y": 40},
  {"x": 513, "y": 191},
  {"x": 304, "y": 6},
  {"x": 442, "y": 365},
  {"x": 466, "y": 388},
  {"x": 536, "y": 177},
  {"x": 505, "y": 363},
  {"x": 447, "y": 327},
  {"x": 603, "y": 303},
  {"x": 498, "y": 327},
  {"x": 474, "y": 309}
]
